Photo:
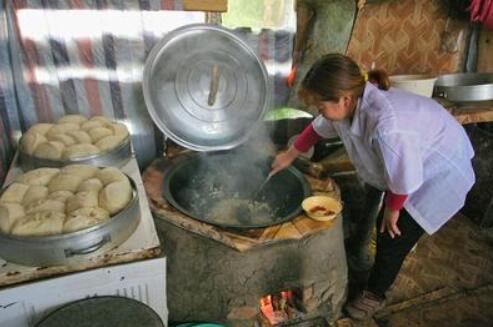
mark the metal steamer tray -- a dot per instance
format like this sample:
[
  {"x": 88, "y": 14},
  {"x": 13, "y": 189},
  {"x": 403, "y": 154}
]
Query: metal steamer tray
[
  {"x": 116, "y": 157},
  {"x": 464, "y": 88},
  {"x": 69, "y": 248}
]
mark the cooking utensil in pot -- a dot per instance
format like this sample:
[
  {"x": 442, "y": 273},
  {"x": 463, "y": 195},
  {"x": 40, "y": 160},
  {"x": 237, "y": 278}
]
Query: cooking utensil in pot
[
  {"x": 257, "y": 192},
  {"x": 243, "y": 212}
]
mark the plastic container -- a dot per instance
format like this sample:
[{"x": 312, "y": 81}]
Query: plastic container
[{"x": 418, "y": 84}]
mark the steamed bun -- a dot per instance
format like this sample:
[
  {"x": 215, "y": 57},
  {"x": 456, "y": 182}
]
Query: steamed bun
[
  {"x": 85, "y": 171},
  {"x": 74, "y": 119},
  {"x": 92, "y": 184},
  {"x": 9, "y": 213},
  {"x": 63, "y": 138},
  {"x": 80, "y": 136},
  {"x": 65, "y": 182},
  {"x": 115, "y": 196},
  {"x": 61, "y": 195},
  {"x": 30, "y": 141},
  {"x": 86, "y": 199},
  {"x": 80, "y": 150},
  {"x": 91, "y": 124},
  {"x": 119, "y": 130},
  {"x": 39, "y": 224},
  {"x": 14, "y": 193},
  {"x": 50, "y": 150},
  {"x": 61, "y": 129},
  {"x": 110, "y": 174},
  {"x": 84, "y": 218},
  {"x": 108, "y": 142},
  {"x": 41, "y": 128},
  {"x": 44, "y": 205},
  {"x": 40, "y": 176},
  {"x": 101, "y": 119},
  {"x": 35, "y": 193},
  {"x": 98, "y": 133}
]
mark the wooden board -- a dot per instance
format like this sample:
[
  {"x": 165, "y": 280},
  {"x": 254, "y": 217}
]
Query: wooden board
[
  {"x": 485, "y": 51},
  {"x": 206, "y": 5},
  {"x": 241, "y": 240},
  {"x": 473, "y": 114}
]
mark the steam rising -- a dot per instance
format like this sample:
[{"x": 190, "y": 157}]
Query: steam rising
[{"x": 222, "y": 190}]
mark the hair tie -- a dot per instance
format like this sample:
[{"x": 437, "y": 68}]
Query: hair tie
[{"x": 365, "y": 76}]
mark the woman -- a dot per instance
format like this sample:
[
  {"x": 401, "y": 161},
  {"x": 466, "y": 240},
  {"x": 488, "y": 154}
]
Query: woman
[{"x": 399, "y": 142}]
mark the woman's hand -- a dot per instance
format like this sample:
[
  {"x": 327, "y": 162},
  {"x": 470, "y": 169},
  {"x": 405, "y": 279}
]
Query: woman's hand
[
  {"x": 389, "y": 222},
  {"x": 284, "y": 159}
]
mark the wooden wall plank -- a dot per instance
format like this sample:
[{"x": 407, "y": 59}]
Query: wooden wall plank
[
  {"x": 206, "y": 5},
  {"x": 485, "y": 51}
]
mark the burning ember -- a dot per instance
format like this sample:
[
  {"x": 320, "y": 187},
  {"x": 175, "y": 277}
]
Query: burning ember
[{"x": 279, "y": 308}]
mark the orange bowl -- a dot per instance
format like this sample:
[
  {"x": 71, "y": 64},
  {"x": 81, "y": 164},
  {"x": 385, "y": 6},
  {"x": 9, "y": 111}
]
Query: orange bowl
[{"x": 321, "y": 208}]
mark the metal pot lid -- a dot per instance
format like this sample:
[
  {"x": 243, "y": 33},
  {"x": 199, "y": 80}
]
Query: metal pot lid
[
  {"x": 103, "y": 311},
  {"x": 205, "y": 88}
]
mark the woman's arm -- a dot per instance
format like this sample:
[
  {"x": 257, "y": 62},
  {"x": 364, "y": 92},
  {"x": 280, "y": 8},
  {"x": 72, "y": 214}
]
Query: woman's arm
[
  {"x": 403, "y": 170},
  {"x": 393, "y": 205},
  {"x": 395, "y": 201},
  {"x": 302, "y": 144},
  {"x": 306, "y": 139}
]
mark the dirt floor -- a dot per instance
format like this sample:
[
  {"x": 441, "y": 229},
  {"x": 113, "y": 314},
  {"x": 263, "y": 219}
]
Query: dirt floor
[{"x": 446, "y": 281}]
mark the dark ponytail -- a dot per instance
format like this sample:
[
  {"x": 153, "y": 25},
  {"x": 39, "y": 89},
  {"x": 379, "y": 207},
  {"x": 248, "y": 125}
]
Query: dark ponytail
[{"x": 379, "y": 78}]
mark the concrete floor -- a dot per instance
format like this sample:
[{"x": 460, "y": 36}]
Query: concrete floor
[{"x": 446, "y": 281}]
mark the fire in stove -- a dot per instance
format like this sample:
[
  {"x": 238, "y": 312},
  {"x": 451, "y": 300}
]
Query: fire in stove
[{"x": 281, "y": 308}]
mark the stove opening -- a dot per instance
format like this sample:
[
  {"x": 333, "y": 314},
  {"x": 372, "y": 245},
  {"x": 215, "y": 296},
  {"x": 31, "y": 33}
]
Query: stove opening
[{"x": 282, "y": 308}]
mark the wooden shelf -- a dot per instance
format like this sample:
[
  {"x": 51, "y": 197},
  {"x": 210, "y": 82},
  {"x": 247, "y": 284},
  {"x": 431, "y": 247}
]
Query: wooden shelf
[{"x": 480, "y": 112}]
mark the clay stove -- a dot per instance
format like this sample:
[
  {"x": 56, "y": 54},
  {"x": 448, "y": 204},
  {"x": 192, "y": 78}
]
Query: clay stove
[{"x": 291, "y": 274}]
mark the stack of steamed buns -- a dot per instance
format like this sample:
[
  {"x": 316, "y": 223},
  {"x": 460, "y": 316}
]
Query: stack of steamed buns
[
  {"x": 49, "y": 201},
  {"x": 72, "y": 137}
]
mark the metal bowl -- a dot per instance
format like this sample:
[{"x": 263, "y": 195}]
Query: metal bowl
[
  {"x": 116, "y": 157},
  {"x": 198, "y": 182},
  {"x": 67, "y": 248},
  {"x": 468, "y": 87},
  {"x": 205, "y": 88}
]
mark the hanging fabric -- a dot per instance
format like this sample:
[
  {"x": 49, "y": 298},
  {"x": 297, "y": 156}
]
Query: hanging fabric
[{"x": 481, "y": 11}]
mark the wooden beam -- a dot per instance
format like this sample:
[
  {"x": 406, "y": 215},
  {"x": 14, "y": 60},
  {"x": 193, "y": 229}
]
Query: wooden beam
[{"x": 206, "y": 5}]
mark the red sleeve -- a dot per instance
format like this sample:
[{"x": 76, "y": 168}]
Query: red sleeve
[
  {"x": 395, "y": 201},
  {"x": 306, "y": 139}
]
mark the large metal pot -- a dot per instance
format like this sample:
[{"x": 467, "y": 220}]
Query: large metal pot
[
  {"x": 68, "y": 248},
  {"x": 468, "y": 87},
  {"x": 197, "y": 183}
]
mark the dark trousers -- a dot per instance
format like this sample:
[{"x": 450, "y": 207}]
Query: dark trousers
[{"x": 391, "y": 253}]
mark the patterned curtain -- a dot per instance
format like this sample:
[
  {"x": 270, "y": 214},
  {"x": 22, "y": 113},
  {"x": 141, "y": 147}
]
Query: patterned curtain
[
  {"x": 9, "y": 122},
  {"x": 87, "y": 57}
]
